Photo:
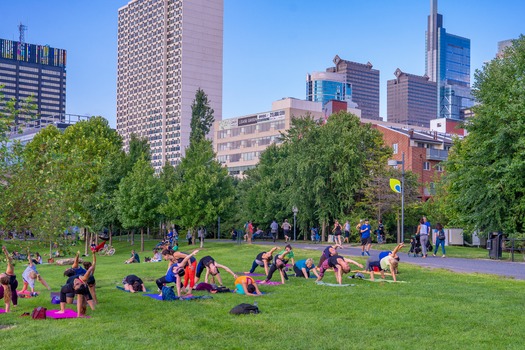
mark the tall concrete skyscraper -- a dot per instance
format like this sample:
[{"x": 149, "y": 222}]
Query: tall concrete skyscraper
[
  {"x": 167, "y": 49},
  {"x": 411, "y": 99},
  {"x": 365, "y": 85},
  {"x": 448, "y": 64}
]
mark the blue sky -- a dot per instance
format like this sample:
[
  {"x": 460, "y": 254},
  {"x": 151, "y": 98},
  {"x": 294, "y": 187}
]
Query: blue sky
[{"x": 269, "y": 45}]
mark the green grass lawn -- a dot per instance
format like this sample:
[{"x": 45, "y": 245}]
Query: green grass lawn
[{"x": 434, "y": 309}]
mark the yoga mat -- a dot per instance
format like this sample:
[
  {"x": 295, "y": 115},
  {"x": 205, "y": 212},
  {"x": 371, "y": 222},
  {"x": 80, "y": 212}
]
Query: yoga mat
[
  {"x": 2, "y": 311},
  {"x": 321, "y": 283},
  {"x": 127, "y": 291},
  {"x": 187, "y": 297},
  {"x": 382, "y": 280},
  {"x": 252, "y": 274},
  {"x": 26, "y": 294},
  {"x": 67, "y": 314},
  {"x": 269, "y": 283}
]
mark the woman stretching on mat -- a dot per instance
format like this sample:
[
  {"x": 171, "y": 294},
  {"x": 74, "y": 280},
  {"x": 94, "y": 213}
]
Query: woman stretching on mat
[
  {"x": 30, "y": 274},
  {"x": 340, "y": 266},
  {"x": 247, "y": 286},
  {"x": 389, "y": 262},
  {"x": 263, "y": 259},
  {"x": 10, "y": 277},
  {"x": 77, "y": 285},
  {"x": 328, "y": 252},
  {"x": 175, "y": 271},
  {"x": 279, "y": 263},
  {"x": 75, "y": 269},
  {"x": 173, "y": 256},
  {"x": 133, "y": 284},
  {"x": 212, "y": 268}
]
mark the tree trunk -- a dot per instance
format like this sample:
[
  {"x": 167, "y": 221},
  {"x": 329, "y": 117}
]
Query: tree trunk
[
  {"x": 142, "y": 238},
  {"x": 132, "y": 237},
  {"x": 110, "y": 234},
  {"x": 323, "y": 231}
]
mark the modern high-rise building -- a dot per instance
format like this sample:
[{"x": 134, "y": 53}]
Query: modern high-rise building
[
  {"x": 411, "y": 99},
  {"x": 502, "y": 46},
  {"x": 448, "y": 64},
  {"x": 365, "y": 85},
  {"x": 167, "y": 50},
  {"x": 325, "y": 86},
  {"x": 37, "y": 72}
]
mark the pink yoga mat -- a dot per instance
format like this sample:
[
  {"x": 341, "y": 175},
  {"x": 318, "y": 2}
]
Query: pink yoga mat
[
  {"x": 269, "y": 283},
  {"x": 68, "y": 314},
  {"x": 2, "y": 311}
]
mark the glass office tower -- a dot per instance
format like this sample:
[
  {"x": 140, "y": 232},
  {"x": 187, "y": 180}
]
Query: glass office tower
[
  {"x": 325, "y": 86},
  {"x": 448, "y": 64}
]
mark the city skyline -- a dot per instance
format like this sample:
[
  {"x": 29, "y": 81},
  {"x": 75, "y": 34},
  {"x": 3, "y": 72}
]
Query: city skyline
[{"x": 269, "y": 46}]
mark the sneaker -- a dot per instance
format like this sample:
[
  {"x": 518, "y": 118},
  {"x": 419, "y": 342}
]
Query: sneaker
[
  {"x": 433, "y": 254},
  {"x": 362, "y": 253},
  {"x": 443, "y": 256},
  {"x": 359, "y": 275},
  {"x": 367, "y": 253}
]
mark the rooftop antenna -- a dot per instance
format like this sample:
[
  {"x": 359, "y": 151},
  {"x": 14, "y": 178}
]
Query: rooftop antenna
[{"x": 22, "y": 28}]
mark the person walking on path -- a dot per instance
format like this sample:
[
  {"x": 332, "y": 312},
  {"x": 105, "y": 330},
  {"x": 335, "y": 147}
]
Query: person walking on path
[
  {"x": 440, "y": 240},
  {"x": 286, "y": 228},
  {"x": 274, "y": 229},
  {"x": 422, "y": 231},
  {"x": 337, "y": 231},
  {"x": 347, "y": 232}
]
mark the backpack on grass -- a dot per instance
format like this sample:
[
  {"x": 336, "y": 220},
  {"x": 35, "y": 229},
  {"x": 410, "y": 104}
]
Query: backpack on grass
[
  {"x": 244, "y": 309},
  {"x": 168, "y": 294}
]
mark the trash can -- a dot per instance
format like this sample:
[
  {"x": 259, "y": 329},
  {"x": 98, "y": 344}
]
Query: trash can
[{"x": 494, "y": 245}]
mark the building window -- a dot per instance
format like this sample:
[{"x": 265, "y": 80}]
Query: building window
[
  {"x": 426, "y": 165},
  {"x": 439, "y": 168},
  {"x": 395, "y": 148}
]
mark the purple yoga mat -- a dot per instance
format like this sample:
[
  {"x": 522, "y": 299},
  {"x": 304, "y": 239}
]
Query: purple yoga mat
[
  {"x": 252, "y": 274},
  {"x": 2, "y": 311},
  {"x": 67, "y": 314},
  {"x": 269, "y": 283}
]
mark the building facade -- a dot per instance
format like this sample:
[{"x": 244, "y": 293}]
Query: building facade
[
  {"x": 239, "y": 142},
  {"x": 365, "y": 85},
  {"x": 167, "y": 50},
  {"x": 424, "y": 152},
  {"x": 411, "y": 99},
  {"x": 448, "y": 64},
  {"x": 37, "y": 72}
]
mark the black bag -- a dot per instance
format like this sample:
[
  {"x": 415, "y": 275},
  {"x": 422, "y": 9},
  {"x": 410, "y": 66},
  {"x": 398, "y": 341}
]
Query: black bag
[
  {"x": 39, "y": 313},
  {"x": 441, "y": 235},
  {"x": 244, "y": 309}
]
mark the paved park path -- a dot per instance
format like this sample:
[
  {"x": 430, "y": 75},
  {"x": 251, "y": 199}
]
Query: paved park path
[{"x": 495, "y": 267}]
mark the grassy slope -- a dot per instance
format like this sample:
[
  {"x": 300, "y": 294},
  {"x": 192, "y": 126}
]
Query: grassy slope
[{"x": 436, "y": 308}]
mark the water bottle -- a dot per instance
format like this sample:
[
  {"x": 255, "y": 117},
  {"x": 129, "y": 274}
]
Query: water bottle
[{"x": 255, "y": 304}]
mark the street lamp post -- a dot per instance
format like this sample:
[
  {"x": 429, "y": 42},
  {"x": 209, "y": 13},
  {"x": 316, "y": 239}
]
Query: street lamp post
[
  {"x": 295, "y": 211},
  {"x": 402, "y": 163}
]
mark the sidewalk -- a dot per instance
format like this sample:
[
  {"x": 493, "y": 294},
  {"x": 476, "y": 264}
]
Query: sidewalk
[{"x": 487, "y": 266}]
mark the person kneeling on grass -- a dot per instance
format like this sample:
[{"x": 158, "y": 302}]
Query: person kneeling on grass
[
  {"x": 302, "y": 268},
  {"x": 133, "y": 284},
  {"x": 247, "y": 286},
  {"x": 78, "y": 286},
  {"x": 30, "y": 274},
  {"x": 389, "y": 262},
  {"x": 340, "y": 266}
]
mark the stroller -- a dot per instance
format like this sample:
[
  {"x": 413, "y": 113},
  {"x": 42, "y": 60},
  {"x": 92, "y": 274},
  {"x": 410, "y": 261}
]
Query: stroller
[{"x": 415, "y": 247}]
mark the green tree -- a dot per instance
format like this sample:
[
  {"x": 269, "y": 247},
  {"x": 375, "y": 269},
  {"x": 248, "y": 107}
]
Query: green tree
[
  {"x": 201, "y": 117},
  {"x": 484, "y": 182},
  {"x": 138, "y": 198},
  {"x": 203, "y": 191}
]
